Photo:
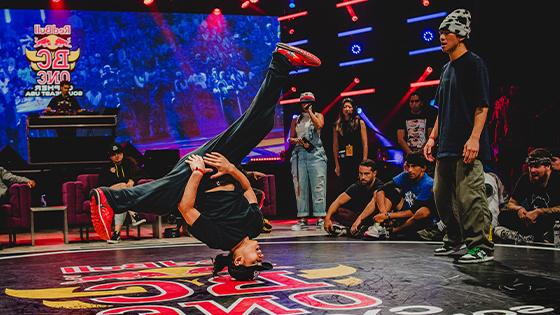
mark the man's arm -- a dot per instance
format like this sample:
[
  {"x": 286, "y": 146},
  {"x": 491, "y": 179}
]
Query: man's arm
[
  {"x": 10, "y": 178},
  {"x": 224, "y": 167},
  {"x": 513, "y": 205},
  {"x": 186, "y": 205},
  {"x": 472, "y": 146},
  {"x": 337, "y": 203},
  {"x": 428, "y": 147},
  {"x": 402, "y": 141}
]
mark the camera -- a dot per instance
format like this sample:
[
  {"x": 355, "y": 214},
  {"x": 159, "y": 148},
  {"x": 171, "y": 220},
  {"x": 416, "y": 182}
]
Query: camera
[{"x": 308, "y": 145}]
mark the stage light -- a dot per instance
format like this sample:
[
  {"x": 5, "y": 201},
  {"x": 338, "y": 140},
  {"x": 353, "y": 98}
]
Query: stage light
[
  {"x": 356, "y": 49},
  {"x": 425, "y": 3},
  {"x": 354, "y": 18},
  {"x": 356, "y": 31},
  {"x": 146, "y": 2},
  {"x": 428, "y": 35},
  {"x": 356, "y": 80},
  {"x": 293, "y": 89},
  {"x": 423, "y": 51},
  {"x": 426, "y": 17},
  {"x": 298, "y": 42},
  {"x": 292, "y": 4},
  {"x": 217, "y": 11},
  {"x": 355, "y": 62},
  {"x": 254, "y": 1},
  {"x": 292, "y": 16},
  {"x": 245, "y": 4},
  {"x": 291, "y": 31},
  {"x": 57, "y": 1}
]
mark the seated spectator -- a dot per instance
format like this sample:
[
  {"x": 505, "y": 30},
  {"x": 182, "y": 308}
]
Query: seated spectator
[
  {"x": 120, "y": 173},
  {"x": 534, "y": 203},
  {"x": 352, "y": 210},
  {"x": 405, "y": 203},
  {"x": 253, "y": 177},
  {"x": 7, "y": 179}
]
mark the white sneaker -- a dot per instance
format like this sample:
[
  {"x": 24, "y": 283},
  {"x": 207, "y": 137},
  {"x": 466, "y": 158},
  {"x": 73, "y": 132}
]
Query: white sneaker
[
  {"x": 376, "y": 231},
  {"x": 320, "y": 224},
  {"x": 300, "y": 225},
  {"x": 135, "y": 218}
]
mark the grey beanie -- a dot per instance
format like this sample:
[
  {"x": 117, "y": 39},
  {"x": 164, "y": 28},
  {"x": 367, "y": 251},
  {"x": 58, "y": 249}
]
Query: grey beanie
[{"x": 458, "y": 22}]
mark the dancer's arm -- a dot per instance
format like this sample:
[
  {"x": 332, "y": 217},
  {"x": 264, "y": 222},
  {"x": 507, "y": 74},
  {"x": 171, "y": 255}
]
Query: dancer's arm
[
  {"x": 224, "y": 167},
  {"x": 186, "y": 205}
]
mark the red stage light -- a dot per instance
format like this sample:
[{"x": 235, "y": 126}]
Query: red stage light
[
  {"x": 425, "y": 3},
  {"x": 245, "y": 4},
  {"x": 291, "y": 31},
  {"x": 356, "y": 80},
  {"x": 294, "y": 89},
  {"x": 217, "y": 11},
  {"x": 254, "y": 1},
  {"x": 148, "y": 2},
  {"x": 354, "y": 18}
]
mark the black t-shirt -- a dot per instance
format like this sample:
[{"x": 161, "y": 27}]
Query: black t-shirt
[
  {"x": 67, "y": 104},
  {"x": 464, "y": 86},
  {"x": 532, "y": 196},
  {"x": 119, "y": 173},
  {"x": 361, "y": 195},
  {"x": 226, "y": 217},
  {"x": 416, "y": 126}
]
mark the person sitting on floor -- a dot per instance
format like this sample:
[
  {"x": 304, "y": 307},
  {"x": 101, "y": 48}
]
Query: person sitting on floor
[
  {"x": 534, "y": 203},
  {"x": 352, "y": 210},
  {"x": 406, "y": 203}
]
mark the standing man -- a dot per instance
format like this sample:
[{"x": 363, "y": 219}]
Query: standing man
[
  {"x": 64, "y": 103},
  {"x": 460, "y": 128},
  {"x": 416, "y": 124}
]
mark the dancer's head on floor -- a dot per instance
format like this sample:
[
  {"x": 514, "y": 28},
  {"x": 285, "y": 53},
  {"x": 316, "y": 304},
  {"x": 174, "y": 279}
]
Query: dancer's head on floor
[{"x": 244, "y": 261}]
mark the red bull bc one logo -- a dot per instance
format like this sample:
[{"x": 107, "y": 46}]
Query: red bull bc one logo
[{"x": 53, "y": 59}]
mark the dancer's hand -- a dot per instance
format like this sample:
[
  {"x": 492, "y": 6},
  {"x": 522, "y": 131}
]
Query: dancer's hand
[
  {"x": 220, "y": 162},
  {"x": 470, "y": 150},
  {"x": 355, "y": 226},
  {"x": 428, "y": 149},
  {"x": 197, "y": 163},
  {"x": 327, "y": 224}
]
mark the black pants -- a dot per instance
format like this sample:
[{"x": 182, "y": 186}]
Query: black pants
[
  {"x": 510, "y": 220},
  {"x": 163, "y": 195}
]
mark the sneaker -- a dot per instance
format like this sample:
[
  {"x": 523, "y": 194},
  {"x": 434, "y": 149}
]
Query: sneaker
[
  {"x": 447, "y": 250},
  {"x": 511, "y": 236},
  {"x": 115, "y": 238},
  {"x": 267, "y": 227},
  {"x": 376, "y": 231},
  {"x": 475, "y": 255},
  {"x": 297, "y": 56},
  {"x": 101, "y": 214},
  {"x": 431, "y": 234},
  {"x": 136, "y": 220},
  {"x": 320, "y": 224},
  {"x": 339, "y": 230},
  {"x": 300, "y": 225}
]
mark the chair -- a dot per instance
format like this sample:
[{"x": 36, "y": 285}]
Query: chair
[
  {"x": 267, "y": 184},
  {"x": 17, "y": 211},
  {"x": 75, "y": 196}
]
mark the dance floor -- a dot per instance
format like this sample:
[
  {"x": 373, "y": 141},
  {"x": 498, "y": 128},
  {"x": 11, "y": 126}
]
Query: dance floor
[{"x": 313, "y": 274}]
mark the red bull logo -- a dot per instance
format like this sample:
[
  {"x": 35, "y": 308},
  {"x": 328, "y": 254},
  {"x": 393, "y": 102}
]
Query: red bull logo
[{"x": 53, "y": 58}]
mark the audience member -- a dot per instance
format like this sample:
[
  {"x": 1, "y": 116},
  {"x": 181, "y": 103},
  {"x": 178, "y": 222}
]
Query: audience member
[
  {"x": 350, "y": 143},
  {"x": 352, "y": 210},
  {"x": 120, "y": 173},
  {"x": 534, "y": 203},
  {"x": 309, "y": 162},
  {"x": 555, "y": 165},
  {"x": 7, "y": 179},
  {"x": 406, "y": 203},
  {"x": 416, "y": 124}
]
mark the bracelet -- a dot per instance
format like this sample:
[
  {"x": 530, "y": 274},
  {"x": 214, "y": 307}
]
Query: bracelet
[{"x": 198, "y": 169}]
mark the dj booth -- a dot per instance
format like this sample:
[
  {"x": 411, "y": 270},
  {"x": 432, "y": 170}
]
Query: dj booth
[{"x": 70, "y": 139}]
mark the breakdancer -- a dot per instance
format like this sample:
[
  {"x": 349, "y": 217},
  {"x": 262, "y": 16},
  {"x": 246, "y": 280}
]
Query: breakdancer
[{"x": 220, "y": 208}]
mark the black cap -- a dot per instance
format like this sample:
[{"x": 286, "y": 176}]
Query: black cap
[
  {"x": 114, "y": 149},
  {"x": 240, "y": 273}
]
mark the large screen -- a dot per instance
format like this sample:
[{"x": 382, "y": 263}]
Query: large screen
[{"x": 175, "y": 79}]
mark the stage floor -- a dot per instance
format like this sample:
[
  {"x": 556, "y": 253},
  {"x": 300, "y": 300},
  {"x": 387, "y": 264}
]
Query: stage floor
[{"x": 312, "y": 275}]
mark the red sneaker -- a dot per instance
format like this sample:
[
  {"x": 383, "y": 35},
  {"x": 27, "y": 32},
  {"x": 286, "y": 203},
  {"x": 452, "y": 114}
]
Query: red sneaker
[
  {"x": 297, "y": 56},
  {"x": 101, "y": 214}
]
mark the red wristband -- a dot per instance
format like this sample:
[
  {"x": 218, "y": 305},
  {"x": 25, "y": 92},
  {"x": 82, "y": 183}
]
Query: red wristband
[{"x": 198, "y": 169}]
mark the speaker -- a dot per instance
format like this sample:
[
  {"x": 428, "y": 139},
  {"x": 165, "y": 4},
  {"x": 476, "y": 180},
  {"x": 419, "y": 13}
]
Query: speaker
[
  {"x": 130, "y": 150},
  {"x": 11, "y": 160},
  {"x": 157, "y": 163}
]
